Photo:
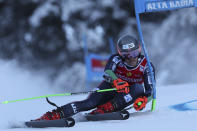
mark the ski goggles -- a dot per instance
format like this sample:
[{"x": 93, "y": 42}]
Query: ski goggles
[{"x": 133, "y": 54}]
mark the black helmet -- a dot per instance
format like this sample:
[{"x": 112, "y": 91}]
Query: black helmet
[{"x": 128, "y": 46}]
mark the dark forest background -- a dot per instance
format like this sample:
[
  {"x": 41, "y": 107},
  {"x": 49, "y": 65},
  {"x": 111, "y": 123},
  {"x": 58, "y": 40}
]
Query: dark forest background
[{"x": 46, "y": 35}]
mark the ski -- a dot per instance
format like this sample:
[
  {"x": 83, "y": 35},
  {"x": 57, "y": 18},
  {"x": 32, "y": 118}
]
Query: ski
[
  {"x": 120, "y": 115},
  {"x": 70, "y": 122},
  {"x": 66, "y": 122}
]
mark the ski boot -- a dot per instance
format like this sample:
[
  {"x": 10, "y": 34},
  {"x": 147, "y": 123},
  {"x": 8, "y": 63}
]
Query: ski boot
[
  {"x": 105, "y": 108},
  {"x": 53, "y": 115}
]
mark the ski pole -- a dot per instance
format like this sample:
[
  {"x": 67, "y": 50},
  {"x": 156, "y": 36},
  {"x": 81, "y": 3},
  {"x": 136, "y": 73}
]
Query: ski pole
[{"x": 52, "y": 95}]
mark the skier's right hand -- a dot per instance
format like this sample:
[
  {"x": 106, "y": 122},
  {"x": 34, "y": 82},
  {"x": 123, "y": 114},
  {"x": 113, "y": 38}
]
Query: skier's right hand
[
  {"x": 121, "y": 86},
  {"x": 140, "y": 103}
]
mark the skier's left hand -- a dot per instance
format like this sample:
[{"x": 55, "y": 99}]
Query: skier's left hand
[
  {"x": 140, "y": 103},
  {"x": 121, "y": 85}
]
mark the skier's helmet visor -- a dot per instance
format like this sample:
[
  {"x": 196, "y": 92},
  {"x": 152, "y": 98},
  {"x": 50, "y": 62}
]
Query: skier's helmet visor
[{"x": 130, "y": 54}]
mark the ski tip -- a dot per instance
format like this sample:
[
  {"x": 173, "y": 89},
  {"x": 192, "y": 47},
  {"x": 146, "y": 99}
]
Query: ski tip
[
  {"x": 120, "y": 115},
  {"x": 70, "y": 121},
  {"x": 125, "y": 115},
  {"x": 66, "y": 122}
]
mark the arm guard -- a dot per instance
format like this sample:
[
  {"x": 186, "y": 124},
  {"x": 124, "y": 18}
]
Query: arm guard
[
  {"x": 147, "y": 81},
  {"x": 109, "y": 74}
]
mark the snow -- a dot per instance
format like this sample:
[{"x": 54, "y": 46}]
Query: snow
[
  {"x": 18, "y": 84},
  {"x": 70, "y": 6},
  {"x": 42, "y": 12},
  {"x": 173, "y": 42}
]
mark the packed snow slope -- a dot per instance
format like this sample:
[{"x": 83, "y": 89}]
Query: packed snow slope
[{"x": 176, "y": 108}]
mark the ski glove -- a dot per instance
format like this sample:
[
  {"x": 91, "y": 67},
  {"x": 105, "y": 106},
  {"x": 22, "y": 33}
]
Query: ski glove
[
  {"x": 140, "y": 103},
  {"x": 121, "y": 86}
]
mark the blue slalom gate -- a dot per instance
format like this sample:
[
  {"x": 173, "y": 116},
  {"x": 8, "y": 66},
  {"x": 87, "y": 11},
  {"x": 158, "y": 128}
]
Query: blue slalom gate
[{"x": 148, "y": 6}]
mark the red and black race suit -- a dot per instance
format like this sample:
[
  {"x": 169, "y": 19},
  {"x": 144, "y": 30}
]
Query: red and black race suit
[{"x": 133, "y": 75}]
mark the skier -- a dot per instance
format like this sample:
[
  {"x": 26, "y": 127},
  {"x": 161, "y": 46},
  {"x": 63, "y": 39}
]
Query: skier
[{"x": 126, "y": 71}]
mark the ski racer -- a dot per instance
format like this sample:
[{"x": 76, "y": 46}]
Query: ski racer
[{"x": 126, "y": 71}]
